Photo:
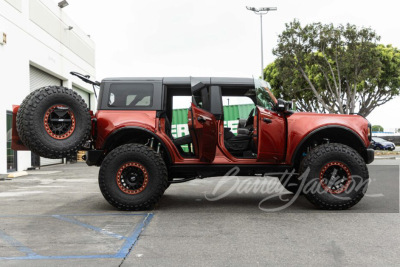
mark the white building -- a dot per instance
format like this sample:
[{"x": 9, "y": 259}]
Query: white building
[{"x": 39, "y": 46}]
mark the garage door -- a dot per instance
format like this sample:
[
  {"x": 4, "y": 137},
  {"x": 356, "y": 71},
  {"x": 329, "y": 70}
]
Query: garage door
[
  {"x": 39, "y": 78},
  {"x": 85, "y": 95}
]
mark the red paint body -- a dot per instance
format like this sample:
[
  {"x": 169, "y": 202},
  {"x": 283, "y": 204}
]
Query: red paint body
[
  {"x": 205, "y": 134},
  {"x": 303, "y": 123},
  {"x": 109, "y": 121},
  {"x": 16, "y": 143},
  {"x": 271, "y": 137}
]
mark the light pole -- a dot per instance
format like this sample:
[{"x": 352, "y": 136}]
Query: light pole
[{"x": 261, "y": 11}]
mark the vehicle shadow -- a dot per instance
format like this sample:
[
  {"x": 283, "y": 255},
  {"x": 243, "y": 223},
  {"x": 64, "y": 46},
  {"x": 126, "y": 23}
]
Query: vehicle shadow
[
  {"x": 234, "y": 203},
  {"x": 231, "y": 196},
  {"x": 216, "y": 195}
]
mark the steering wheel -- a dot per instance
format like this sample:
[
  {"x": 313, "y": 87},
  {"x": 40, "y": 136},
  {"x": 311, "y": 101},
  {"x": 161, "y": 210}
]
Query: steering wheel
[{"x": 250, "y": 119}]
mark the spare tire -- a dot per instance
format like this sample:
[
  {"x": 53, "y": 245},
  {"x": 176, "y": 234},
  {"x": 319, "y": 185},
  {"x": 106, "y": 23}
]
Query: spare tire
[{"x": 53, "y": 122}]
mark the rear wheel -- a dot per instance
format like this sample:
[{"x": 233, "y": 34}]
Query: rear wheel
[
  {"x": 133, "y": 177},
  {"x": 53, "y": 122},
  {"x": 336, "y": 176}
]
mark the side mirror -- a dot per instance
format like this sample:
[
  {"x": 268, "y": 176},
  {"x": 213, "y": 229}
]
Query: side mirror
[{"x": 283, "y": 105}]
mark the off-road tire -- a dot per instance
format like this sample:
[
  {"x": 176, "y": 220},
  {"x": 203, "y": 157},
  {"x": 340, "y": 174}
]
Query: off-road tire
[
  {"x": 32, "y": 129},
  {"x": 144, "y": 157},
  {"x": 318, "y": 160}
]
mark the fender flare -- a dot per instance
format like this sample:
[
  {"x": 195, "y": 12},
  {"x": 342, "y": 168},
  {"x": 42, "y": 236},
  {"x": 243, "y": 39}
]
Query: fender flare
[
  {"x": 315, "y": 131},
  {"x": 122, "y": 130}
]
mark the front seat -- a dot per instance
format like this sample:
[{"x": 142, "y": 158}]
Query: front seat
[
  {"x": 237, "y": 144},
  {"x": 184, "y": 140}
]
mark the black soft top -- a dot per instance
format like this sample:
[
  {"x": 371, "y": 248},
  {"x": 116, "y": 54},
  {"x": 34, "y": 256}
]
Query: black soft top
[{"x": 187, "y": 80}]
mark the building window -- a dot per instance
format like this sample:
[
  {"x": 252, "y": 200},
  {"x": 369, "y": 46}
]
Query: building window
[{"x": 11, "y": 154}]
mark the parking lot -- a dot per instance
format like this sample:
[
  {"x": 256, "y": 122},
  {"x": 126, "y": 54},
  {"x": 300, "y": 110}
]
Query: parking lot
[{"x": 57, "y": 216}]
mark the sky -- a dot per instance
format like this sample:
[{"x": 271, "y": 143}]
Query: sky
[{"x": 216, "y": 38}]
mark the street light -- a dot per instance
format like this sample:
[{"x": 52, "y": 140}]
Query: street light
[{"x": 261, "y": 11}]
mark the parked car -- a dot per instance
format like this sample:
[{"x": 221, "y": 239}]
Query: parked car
[
  {"x": 130, "y": 138},
  {"x": 378, "y": 143}
]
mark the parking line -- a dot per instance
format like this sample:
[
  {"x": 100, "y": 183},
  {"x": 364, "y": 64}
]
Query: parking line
[
  {"x": 88, "y": 214},
  {"x": 39, "y": 257},
  {"x": 18, "y": 245},
  {"x": 91, "y": 227},
  {"x": 131, "y": 241},
  {"x": 122, "y": 253}
]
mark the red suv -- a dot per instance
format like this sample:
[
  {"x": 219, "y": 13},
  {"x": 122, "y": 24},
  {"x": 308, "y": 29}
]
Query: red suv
[{"x": 130, "y": 138}]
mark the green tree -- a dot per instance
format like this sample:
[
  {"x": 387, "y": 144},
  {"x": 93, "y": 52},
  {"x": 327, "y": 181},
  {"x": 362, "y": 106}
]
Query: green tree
[
  {"x": 334, "y": 69},
  {"x": 377, "y": 128}
]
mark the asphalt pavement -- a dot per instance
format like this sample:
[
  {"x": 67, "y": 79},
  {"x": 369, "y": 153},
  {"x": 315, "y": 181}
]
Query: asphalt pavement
[{"x": 57, "y": 216}]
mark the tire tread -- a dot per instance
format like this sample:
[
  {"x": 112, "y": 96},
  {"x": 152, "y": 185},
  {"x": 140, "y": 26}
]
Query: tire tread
[
  {"x": 146, "y": 152},
  {"x": 322, "y": 150},
  {"x": 26, "y": 126}
]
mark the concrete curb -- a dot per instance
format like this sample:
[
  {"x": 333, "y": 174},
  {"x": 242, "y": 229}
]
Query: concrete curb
[
  {"x": 383, "y": 157},
  {"x": 17, "y": 174}
]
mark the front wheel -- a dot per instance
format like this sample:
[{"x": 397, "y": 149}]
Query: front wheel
[
  {"x": 133, "y": 177},
  {"x": 336, "y": 176}
]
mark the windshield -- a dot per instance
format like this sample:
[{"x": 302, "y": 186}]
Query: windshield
[{"x": 264, "y": 97}]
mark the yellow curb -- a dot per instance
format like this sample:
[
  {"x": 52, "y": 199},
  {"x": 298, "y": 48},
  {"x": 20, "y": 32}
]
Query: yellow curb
[{"x": 17, "y": 174}]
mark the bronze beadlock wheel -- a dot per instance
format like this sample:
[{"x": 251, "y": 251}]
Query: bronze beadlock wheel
[
  {"x": 132, "y": 178},
  {"x": 335, "y": 177},
  {"x": 59, "y": 122},
  {"x": 54, "y": 122}
]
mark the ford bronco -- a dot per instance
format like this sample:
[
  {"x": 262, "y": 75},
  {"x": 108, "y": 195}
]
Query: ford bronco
[{"x": 130, "y": 138}]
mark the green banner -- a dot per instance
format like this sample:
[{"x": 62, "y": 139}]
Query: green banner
[{"x": 232, "y": 114}]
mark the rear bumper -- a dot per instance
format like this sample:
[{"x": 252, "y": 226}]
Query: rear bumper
[
  {"x": 16, "y": 143},
  {"x": 370, "y": 155}
]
